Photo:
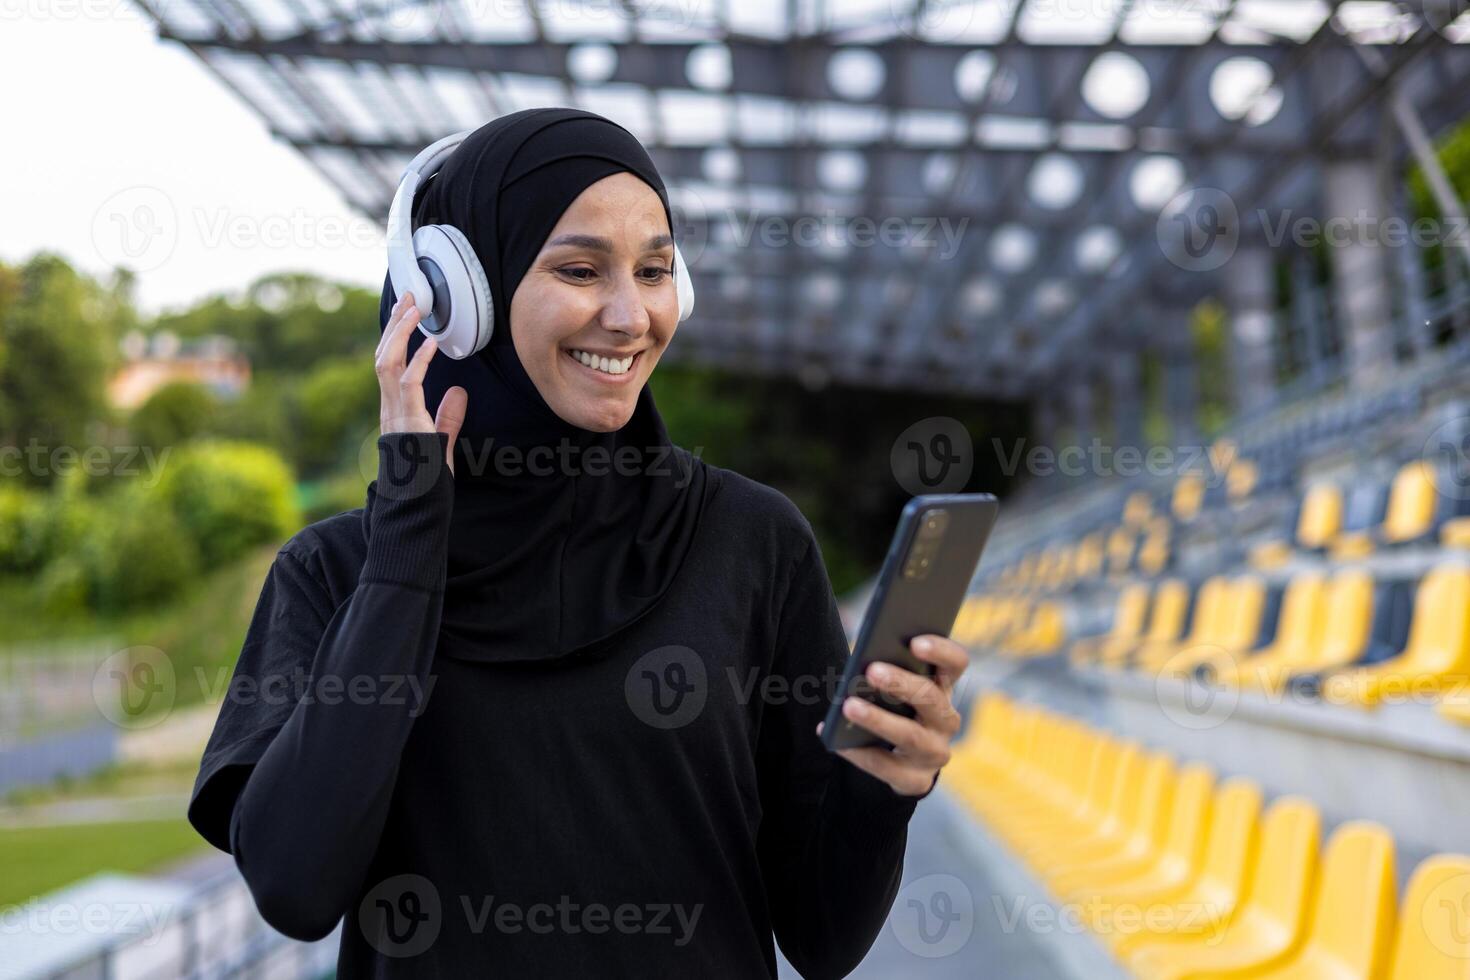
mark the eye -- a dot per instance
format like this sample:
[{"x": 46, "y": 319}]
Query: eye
[
  {"x": 654, "y": 273},
  {"x": 571, "y": 272}
]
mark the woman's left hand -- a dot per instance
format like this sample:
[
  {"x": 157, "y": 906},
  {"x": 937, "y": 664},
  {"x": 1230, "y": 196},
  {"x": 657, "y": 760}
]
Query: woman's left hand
[{"x": 920, "y": 744}]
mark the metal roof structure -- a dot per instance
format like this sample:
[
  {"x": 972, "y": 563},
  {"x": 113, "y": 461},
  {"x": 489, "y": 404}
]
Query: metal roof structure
[{"x": 933, "y": 194}]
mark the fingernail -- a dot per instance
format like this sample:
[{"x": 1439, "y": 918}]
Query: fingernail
[
  {"x": 922, "y": 644},
  {"x": 881, "y": 671}
]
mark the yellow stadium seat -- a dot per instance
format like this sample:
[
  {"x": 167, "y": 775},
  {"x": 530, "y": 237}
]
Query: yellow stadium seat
[
  {"x": 1147, "y": 832},
  {"x": 1211, "y": 604},
  {"x": 1235, "y": 627},
  {"x": 1166, "y": 622},
  {"x": 1145, "y": 780},
  {"x": 1183, "y": 880},
  {"x": 1217, "y": 887},
  {"x": 1153, "y": 553},
  {"x": 1317, "y": 526},
  {"x": 1455, "y": 533},
  {"x": 1044, "y": 632},
  {"x": 1137, "y": 508},
  {"x": 1240, "y": 480},
  {"x": 1433, "y": 938},
  {"x": 1344, "y": 621},
  {"x": 1223, "y": 452},
  {"x": 1176, "y": 859},
  {"x": 1090, "y": 555},
  {"x": 1121, "y": 543},
  {"x": 1321, "y": 516},
  {"x": 1128, "y": 622},
  {"x": 1411, "y": 503},
  {"x": 1046, "y": 851},
  {"x": 1437, "y": 656},
  {"x": 1268, "y": 925},
  {"x": 1352, "y": 912},
  {"x": 1298, "y": 627},
  {"x": 1189, "y": 495}
]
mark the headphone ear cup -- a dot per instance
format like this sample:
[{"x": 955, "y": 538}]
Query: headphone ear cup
[
  {"x": 471, "y": 314},
  {"x": 683, "y": 285}
]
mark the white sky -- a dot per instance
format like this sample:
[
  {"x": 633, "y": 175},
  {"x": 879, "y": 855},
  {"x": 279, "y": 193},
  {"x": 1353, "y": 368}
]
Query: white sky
[{"x": 108, "y": 128}]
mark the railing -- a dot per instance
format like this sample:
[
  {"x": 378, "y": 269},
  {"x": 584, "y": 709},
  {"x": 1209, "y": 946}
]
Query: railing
[{"x": 214, "y": 935}]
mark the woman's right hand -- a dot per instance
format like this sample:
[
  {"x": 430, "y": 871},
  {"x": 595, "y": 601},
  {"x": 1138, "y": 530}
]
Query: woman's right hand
[{"x": 401, "y": 386}]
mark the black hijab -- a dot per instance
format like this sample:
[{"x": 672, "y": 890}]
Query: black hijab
[{"x": 558, "y": 547}]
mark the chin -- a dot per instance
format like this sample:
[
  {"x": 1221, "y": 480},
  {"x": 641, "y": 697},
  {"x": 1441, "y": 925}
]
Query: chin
[{"x": 604, "y": 419}]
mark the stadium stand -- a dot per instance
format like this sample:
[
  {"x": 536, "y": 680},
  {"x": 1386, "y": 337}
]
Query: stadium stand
[{"x": 1180, "y": 876}]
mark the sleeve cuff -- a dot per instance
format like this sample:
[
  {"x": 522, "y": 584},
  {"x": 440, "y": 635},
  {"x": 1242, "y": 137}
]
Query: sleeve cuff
[
  {"x": 413, "y": 501},
  {"x": 875, "y": 812}
]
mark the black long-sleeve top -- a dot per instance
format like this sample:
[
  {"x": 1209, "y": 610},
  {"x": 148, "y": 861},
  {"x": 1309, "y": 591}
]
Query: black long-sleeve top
[{"x": 656, "y": 808}]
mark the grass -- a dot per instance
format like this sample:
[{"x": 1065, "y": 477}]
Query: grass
[
  {"x": 201, "y": 632},
  {"x": 41, "y": 859},
  {"x": 117, "y": 781}
]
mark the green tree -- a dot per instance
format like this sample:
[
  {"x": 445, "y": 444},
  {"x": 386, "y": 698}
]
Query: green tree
[
  {"x": 175, "y": 413},
  {"x": 337, "y": 407},
  {"x": 229, "y": 497},
  {"x": 58, "y": 342}
]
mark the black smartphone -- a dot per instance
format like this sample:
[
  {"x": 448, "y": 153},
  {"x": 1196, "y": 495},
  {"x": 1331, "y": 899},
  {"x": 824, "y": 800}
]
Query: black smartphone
[{"x": 921, "y": 587}]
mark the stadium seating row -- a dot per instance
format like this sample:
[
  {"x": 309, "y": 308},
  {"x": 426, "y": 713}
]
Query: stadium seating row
[
  {"x": 1337, "y": 637},
  {"x": 1184, "y": 877},
  {"x": 1424, "y": 505}
]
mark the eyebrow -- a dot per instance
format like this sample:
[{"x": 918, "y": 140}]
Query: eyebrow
[{"x": 603, "y": 245}]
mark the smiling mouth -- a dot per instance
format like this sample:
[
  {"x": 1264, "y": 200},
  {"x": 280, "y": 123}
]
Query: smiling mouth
[{"x": 609, "y": 369}]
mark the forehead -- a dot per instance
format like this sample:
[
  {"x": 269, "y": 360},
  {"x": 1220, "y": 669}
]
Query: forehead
[{"x": 617, "y": 201}]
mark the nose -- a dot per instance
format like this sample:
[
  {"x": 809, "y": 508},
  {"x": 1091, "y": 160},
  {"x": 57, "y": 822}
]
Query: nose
[{"x": 624, "y": 310}]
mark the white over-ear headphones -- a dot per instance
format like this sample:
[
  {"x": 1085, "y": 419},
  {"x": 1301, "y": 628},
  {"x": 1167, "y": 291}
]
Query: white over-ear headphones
[{"x": 442, "y": 271}]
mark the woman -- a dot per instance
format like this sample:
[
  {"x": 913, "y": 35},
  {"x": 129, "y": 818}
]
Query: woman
[{"x": 548, "y": 704}]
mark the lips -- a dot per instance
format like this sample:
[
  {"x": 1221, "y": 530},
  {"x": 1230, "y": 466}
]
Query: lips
[{"x": 605, "y": 368}]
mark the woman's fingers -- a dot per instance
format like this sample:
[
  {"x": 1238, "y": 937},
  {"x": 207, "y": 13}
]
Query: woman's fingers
[
  {"x": 905, "y": 778},
  {"x": 946, "y": 654},
  {"x": 930, "y": 700},
  {"x": 411, "y": 381},
  {"x": 451, "y": 417},
  {"x": 919, "y": 743},
  {"x": 395, "y": 317}
]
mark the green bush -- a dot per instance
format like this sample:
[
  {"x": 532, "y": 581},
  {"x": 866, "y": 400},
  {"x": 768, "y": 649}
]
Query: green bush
[
  {"x": 228, "y": 497},
  {"x": 336, "y": 409},
  {"x": 141, "y": 557},
  {"x": 66, "y": 588},
  {"x": 261, "y": 413},
  {"x": 21, "y": 513},
  {"x": 175, "y": 413}
]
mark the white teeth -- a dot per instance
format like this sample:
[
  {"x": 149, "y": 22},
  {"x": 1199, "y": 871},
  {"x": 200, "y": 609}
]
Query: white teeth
[{"x": 610, "y": 365}]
